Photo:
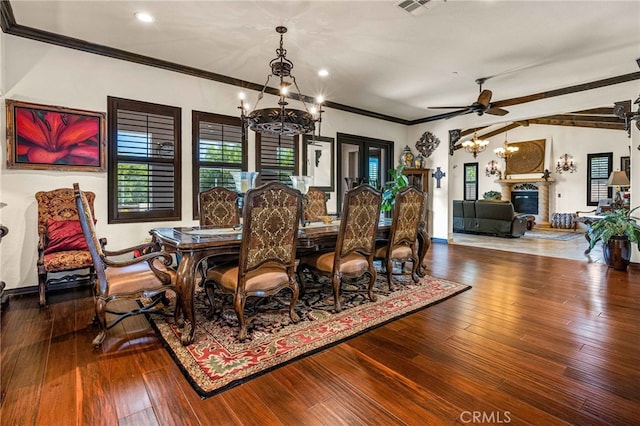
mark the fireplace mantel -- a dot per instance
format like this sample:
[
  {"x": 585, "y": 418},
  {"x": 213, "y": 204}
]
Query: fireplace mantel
[{"x": 542, "y": 218}]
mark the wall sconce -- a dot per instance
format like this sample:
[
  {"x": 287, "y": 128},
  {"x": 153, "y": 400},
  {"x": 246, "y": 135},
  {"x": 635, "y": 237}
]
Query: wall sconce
[
  {"x": 492, "y": 169},
  {"x": 565, "y": 164}
]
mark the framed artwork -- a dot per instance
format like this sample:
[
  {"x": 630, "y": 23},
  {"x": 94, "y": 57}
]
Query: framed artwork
[
  {"x": 318, "y": 156},
  {"x": 42, "y": 137},
  {"x": 625, "y": 165},
  {"x": 528, "y": 159}
]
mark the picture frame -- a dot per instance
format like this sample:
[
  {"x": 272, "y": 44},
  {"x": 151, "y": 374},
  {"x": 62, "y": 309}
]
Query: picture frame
[
  {"x": 625, "y": 165},
  {"x": 528, "y": 159},
  {"x": 318, "y": 155},
  {"x": 45, "y": 137}
]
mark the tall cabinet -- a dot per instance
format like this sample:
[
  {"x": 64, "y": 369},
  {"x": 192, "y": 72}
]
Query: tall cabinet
[{"x": 420, "y": 179}]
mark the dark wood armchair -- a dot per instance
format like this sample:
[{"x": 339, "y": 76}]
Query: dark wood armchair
[
  {"x": 267, "y": 253},
  {"x": 61, "y": 243},
  {"x": 355, "y": 245},
  {"x": 402, "y": 243},
  {"x": 145, "y": 278}
]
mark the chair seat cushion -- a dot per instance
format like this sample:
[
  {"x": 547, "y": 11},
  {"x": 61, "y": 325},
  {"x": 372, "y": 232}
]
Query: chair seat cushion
[
  {"x": 262, "y": 279},
  {"x": 66, "y": 260},
  {"x": 134, "y": 277},
  {"x": 64, "y": 235},
  {"x": 353, "y": 263},
  {"x": 399, "y": 252}
]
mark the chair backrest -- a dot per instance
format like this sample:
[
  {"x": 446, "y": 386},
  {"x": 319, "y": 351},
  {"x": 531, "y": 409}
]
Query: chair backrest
[
  {"x": 407, "y": 214},
  {"x": 85, "y": 214},
  {"x": 314, "y": 204},
  {"x": 271, "y": 216},
  {"x": 359, "y": 222},
  {"x": 604, "y": 205},
  {"x": 59, "y": 204},
  {"x": 219, "y": 208}
]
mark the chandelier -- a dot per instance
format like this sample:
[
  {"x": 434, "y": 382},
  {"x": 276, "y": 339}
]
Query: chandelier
[
  {"x": 565, "y": 164},
  {"x": 281, "y": 120},
  {"x": 506, "y": 151},
  {"x": 475, "y": 145}
]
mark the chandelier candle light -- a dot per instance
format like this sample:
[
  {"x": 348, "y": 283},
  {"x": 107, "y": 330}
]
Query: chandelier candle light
[
  {"x": 475, "y": 145},
  {"x": 565, "y": 164},
  {"x": 281, "y": 120}
]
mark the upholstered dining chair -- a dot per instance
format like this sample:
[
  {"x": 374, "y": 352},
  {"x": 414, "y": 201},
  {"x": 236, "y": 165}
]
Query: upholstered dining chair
[
  {"x": 402, "y": 243},
  {"x": 144, "y": 279},
  {"x": 61, "y": 244},
  {"x": 219, "y": 208},
  {"x": 266, "y": 266},
  {"x": 355, "y": 245},
  {"x": 314, "y": 205}
]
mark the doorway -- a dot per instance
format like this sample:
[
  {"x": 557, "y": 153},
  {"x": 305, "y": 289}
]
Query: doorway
[{"x": 362, "y": 160}]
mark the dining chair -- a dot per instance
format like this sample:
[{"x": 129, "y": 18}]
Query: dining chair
[
  {"x": 61, "y": 244},
  {"x": 355, "y": 244},
  {"x": 271, "y": 217},
  {"x": 401, "y": 245},
  {"x": 219, "y": 207},
  {"x": 143, "y": 279},
  {"x": 314, "y": 205}
]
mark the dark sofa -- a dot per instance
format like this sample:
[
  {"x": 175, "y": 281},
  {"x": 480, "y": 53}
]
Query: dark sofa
[{"x": 488, "y": 217}]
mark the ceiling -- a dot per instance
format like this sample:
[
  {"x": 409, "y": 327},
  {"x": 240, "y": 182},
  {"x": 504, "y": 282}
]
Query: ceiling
[{"x": 381, "y": 59}]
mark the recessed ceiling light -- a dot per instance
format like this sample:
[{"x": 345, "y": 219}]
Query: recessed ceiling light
[
  {"x": 144, "y": 17},
  {"x": 323, "y": 73}
]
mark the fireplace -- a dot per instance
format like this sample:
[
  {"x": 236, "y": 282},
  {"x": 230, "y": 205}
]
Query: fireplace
[
  {"x": 525, "y": 201},
  {"x": 529, "y": 185}
]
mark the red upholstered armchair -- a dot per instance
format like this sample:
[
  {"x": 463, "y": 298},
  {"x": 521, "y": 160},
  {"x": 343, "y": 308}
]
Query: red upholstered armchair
[{"x": 61, "y": 243}]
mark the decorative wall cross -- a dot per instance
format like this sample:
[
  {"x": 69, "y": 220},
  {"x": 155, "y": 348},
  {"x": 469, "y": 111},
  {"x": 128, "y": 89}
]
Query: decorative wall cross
[{"x": 438, "y": 174}]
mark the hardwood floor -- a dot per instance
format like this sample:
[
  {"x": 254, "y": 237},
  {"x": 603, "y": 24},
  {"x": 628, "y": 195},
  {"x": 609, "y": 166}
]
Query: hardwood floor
[{"x": 537, "y": 340}]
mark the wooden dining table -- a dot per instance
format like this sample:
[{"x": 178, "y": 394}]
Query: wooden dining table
[{"x": 193, "y": 244}]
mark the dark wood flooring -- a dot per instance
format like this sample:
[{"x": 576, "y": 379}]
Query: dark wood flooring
[{"x": 537, "y": 340}]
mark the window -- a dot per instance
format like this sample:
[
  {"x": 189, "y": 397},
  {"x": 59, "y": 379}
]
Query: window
[
  {"x": 470, "y": 181},
  {"x": 276, "y": 157},
  {"x": 144, "y": 161},
  {"x": 219, "y": 148},
  {"x": 599, "y": 169}
]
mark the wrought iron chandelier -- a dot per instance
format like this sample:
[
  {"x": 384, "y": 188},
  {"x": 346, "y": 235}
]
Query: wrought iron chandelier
[
  {"x": 281, "y": 120},
  {"x": 475, "y": 145}
]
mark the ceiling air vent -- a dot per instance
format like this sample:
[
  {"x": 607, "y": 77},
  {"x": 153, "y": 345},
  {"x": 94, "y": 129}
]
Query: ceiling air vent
[{"x": 417, "y": 7}]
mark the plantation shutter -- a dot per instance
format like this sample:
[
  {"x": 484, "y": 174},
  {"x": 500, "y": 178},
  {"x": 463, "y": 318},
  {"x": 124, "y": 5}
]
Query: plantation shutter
[
  {"x": 470, "y": 181},
  {"x": 220, "y": 147},
  {"x": 599, "y": 168},
  {"x": 144, "y": 169},
  {"x": 276, "y": 157}
]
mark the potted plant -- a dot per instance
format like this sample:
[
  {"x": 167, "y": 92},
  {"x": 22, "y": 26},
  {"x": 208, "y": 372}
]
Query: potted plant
[
  {"x": 492, "y": 195},
  {"x": 398, "y": 181},
  {"x": 617, "y": 230}
]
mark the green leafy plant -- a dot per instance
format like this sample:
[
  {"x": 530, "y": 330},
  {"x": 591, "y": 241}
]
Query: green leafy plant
[
  {"x": 398, "y": 181},
  {"x": 492, "y": 195},
  {"x": 618, "y": 223}
]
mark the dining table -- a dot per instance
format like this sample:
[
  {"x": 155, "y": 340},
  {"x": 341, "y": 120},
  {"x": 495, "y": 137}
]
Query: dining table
[{"x": 194, "y": 244}]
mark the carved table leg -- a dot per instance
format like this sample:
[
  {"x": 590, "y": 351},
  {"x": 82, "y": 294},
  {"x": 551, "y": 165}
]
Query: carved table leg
[{"x": 185, "y": 289}]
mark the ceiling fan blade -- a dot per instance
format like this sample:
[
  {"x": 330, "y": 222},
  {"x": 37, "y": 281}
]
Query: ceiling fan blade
[
  {"x": 484, "y": 98},
  {"x": 497, "y": 111},
  {"x": 447, "y": 115}
]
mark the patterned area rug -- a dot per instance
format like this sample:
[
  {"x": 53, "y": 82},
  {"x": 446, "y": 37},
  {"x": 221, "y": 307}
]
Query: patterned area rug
[
  {"x": 552, "y": 234},
  {"x": 216, "y": 361}
]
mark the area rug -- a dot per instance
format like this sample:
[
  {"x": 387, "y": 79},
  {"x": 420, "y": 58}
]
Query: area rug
[
  {"x": 216, "y": 361},
  {"x": 552, "y": 234}
]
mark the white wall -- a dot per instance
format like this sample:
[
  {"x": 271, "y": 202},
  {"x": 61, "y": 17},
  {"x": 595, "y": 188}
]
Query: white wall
[{"x": 51, "y": 75}]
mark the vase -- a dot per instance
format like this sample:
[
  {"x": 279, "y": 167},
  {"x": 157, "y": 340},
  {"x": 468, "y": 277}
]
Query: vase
[{"x": 617, "y": 252}]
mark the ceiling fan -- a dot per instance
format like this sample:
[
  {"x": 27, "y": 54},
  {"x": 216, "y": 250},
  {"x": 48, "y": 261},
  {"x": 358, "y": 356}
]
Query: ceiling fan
[{"x": 480, "y": 107}]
